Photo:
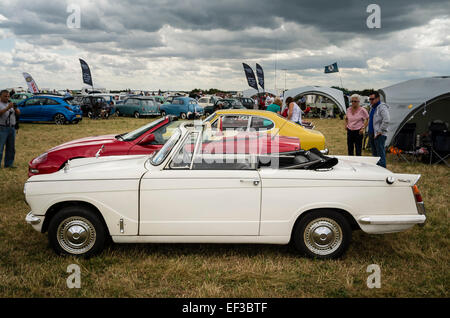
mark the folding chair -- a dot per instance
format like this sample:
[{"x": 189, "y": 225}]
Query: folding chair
[
  {"x": 440, "y": 142},
  {"x": 405, "y": 142}
]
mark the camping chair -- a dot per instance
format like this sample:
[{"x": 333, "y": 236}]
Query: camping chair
[
  {"x": 440, "y": 141},
  {"x": 404, "y": 142}
]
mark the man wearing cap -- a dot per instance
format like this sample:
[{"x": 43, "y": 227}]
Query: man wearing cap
[{"x": 8, "y": 112}]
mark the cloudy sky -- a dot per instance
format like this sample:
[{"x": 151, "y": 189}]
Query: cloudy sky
[{"x": 184, "y": 44}]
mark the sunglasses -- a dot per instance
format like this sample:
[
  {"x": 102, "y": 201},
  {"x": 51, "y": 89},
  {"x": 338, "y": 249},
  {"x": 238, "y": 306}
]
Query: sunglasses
[
  {"x": 355, "y": 101},
  {"x": 371, "y": 98}
]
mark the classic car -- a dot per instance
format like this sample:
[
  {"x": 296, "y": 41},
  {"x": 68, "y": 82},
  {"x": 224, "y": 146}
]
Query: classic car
[
  {"x": 57, "y": 109},
  {"x": 206, "y": 101},
  {"x": 269, "y": 122},
  {"x": 139, "y": 106},
  {"x": 228, "y": 103},
  {"x": 18, "y": 97},
  {"x": 182, "y": 107},
  {"x": 247, "y": 102},
  {"x": 185, "y": 194},
  {"x": 144, "y": 140},
  {"x": 93, "y": 106}
]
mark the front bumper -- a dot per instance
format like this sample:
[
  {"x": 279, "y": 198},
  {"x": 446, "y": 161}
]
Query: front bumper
[{"x": 35, "y": 221}]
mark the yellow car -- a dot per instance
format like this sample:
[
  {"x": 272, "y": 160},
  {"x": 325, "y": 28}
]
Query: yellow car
[{"x": 270, "y": 122}]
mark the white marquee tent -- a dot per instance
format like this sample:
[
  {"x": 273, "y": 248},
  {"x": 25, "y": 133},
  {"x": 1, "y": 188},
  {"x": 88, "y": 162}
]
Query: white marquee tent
[{"x": 419, "y": 101}]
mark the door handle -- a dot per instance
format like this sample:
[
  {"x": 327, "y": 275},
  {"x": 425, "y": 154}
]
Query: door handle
[{"x": 254, "y": 181}]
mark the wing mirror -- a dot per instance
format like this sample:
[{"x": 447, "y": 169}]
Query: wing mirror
[{"x": 147, "y": 139}]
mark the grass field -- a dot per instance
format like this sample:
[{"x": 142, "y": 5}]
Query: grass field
[{"x": 414, "y": 263}]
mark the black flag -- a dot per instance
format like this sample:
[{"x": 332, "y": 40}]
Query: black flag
[
  {"x": 251, "y": 80},
  {"x": 87, "y": 78},
  {"x": 260, "y": 74}
]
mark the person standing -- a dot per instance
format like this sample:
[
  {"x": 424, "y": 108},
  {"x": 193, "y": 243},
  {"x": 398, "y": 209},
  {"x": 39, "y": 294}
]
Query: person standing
[
  {"x": 276, "y": 106},
  {"x": 8, "y": 112},
  {"x": 356, "y": 120},
  {"x": 378, "y": 127},
  {"x": 294, "y": 111}
]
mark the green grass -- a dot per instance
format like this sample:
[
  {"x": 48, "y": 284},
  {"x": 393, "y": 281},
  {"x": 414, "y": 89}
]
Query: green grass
[{"x": 414, "y": 263}]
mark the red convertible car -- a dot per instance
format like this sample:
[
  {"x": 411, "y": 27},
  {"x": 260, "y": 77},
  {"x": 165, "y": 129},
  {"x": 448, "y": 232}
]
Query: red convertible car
[{"x": 146, "y": 140}]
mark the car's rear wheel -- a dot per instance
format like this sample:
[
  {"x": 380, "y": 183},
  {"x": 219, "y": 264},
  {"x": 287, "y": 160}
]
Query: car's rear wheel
[
  {"x": 183, "y": 116},
  {"x": 76, "y": 230},
  {"x": 323, "y": 234},
  {"x": 118, "y": 113},
  {"x": 136, "y": 115},
  {"x": 59, "y": 119}
]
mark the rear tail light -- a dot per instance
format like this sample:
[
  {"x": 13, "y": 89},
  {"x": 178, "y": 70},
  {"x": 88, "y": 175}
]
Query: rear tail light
[
  {"x": 68, "y": 108},
  {"x": 417, "y": 194}
]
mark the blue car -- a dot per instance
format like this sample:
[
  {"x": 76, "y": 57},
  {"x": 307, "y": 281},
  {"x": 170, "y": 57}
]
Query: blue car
[
  {"x": 182, "y": 107},
  {"x": 57, "y": 109}
]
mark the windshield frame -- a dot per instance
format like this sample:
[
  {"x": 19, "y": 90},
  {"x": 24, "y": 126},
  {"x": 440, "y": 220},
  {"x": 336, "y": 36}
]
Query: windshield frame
[{"x": 156, "y": 160}]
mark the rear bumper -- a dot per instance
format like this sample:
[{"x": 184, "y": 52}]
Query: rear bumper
[
  {"x": 381, "y": 224},
  {"x": 393, "y": 219}
]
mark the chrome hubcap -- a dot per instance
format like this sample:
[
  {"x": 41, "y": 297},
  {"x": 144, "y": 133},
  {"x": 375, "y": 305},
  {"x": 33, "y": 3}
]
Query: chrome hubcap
[
  {"x": 76, "y": 235},
  {"x": 323, "y": 236}
]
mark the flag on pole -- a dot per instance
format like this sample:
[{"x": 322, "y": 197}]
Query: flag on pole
[
  {"x": 260, "y": 74},
  {"x": 251, "y": 80},
  {"x": 333, "y": 68},
  {"x": 32, "y": 87},
  {"x": 87, "y": 78}
]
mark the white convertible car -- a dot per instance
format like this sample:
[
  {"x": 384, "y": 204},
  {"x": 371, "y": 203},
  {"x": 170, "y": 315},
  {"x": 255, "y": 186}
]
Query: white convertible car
[{"x": 186, "y": 193}]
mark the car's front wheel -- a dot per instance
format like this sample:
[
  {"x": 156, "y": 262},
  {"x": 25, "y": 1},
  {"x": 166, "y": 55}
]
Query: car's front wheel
[
  {"x": 76, "y": 230},
  {"x": 163, "y": 113},
  {"x": 183, "y": 116},
  {"x": 136, "y": 115},
  {"x": 323, "y": 234}
]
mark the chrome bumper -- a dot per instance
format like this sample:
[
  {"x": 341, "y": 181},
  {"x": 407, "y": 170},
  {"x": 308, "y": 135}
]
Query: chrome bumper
[
  {"x": 325, "y": 151},
  {"x": 393, "y": 219},
  {"x": 32, "y": 219}
]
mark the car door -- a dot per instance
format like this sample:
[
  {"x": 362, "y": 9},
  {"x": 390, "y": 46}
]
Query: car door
[
  {"x": 31, "y": 110},
  {"x": 49, "y": 109},
  {"x": 201, "y": 199}
]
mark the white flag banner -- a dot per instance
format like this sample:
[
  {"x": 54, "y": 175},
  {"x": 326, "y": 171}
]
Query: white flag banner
[{"x": 32, "y": 87}]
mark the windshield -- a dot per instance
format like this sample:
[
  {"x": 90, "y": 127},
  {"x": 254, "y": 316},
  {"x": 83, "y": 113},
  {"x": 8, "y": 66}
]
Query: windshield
[
  {"x": 209, "y": 118},
  {"x": 138, "y": 132},
  {"x": 164, "y": 151}
]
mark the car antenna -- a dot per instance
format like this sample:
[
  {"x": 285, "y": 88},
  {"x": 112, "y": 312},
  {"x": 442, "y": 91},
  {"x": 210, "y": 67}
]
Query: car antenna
[{"x": 99, "y": 151}]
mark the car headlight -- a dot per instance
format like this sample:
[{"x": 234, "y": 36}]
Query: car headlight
[{"x": 40, "y": 159}]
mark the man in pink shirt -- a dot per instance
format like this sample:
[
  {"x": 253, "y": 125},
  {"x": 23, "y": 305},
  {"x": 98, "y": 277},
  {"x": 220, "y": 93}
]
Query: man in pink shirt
[{"x": 356, "y": 120}]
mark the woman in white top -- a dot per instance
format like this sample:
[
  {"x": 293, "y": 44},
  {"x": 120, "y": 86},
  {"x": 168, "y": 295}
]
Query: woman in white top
[{"x": 294, "y": 112}]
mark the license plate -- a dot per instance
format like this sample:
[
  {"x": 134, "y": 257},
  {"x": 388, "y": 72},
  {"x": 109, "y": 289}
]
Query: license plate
[{"x": 78, "y": 116}]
